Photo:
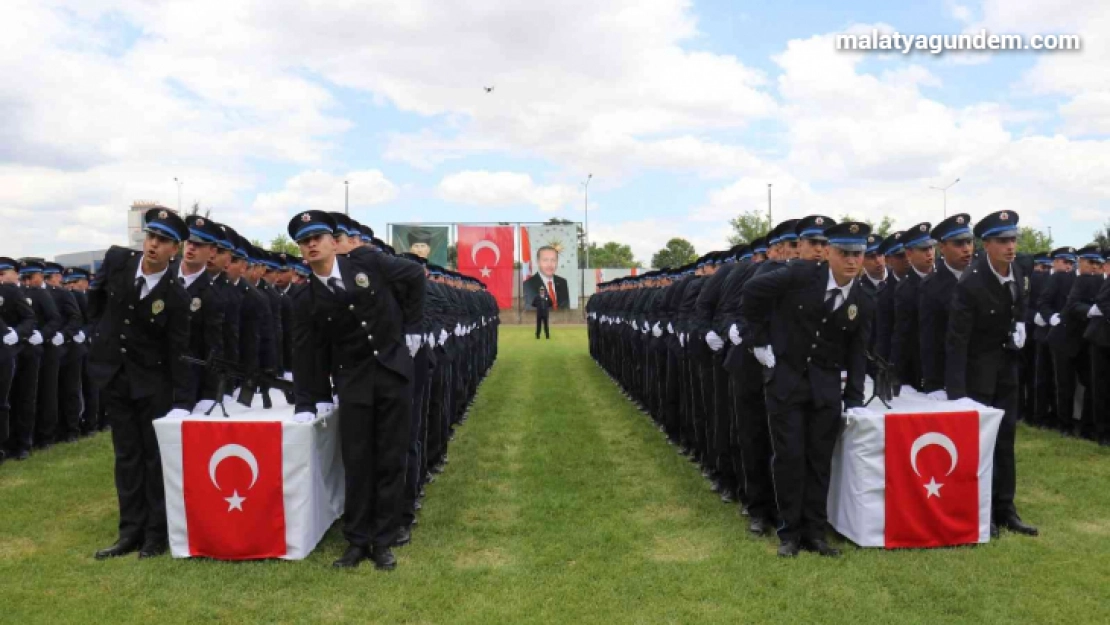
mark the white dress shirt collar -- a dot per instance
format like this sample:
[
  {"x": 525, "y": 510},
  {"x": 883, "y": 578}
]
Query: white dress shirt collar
[
  {"x": 958, "y": 274},
  {"x": 842, "y": 296},
  {"x": 187, "y": 281},
  {"x": 149, "y": 281},
  {"x": 334, "y": 274},
  {"x": 1001, "y": 279}
]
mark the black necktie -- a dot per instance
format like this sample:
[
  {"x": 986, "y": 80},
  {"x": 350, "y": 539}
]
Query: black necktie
[
  {"x": 139, "y": 287},
  {"x": 830, "y": 301}
]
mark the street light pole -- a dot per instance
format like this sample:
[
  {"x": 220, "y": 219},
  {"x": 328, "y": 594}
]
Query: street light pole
[
  {"x": 179, "y": 183},
  {"x": 944, "y": 191},
  {"x": 770, "y": 221},
  {"x": 586, "y": 207},
  {"x": 346, "y": 197}
]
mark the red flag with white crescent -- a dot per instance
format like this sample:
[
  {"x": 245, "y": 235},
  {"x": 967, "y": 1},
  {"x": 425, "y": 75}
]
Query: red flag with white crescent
[
  {"x": 233, "y": 489},
  {"x": 486, "y": 253},
  {"x": 932, "y": 479}
]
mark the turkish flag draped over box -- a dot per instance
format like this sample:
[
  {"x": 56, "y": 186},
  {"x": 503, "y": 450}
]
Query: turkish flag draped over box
[
  {"x": 486, "y": 253},
  {"x": 933, "y": 469},
  {"x": 233, "y": 489}
]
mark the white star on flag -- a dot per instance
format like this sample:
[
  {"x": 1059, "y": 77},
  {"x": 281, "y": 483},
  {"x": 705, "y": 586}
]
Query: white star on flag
[
  {"x": 235, "y": 502},
  {"x": 933, "y": 488},
  {"x": 486, "y": 271}
]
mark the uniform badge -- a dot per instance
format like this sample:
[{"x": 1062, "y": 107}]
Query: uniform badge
[
  {"x": 960, "y": 220},
  {"x": 29, "y": 302},
  {"x": 852, "y": 312},
  {"x": 853, "y": 229},
  {"x": 819, "y": 221},
  {"x": 305, "y": 217},
  {"x": 195, "y": 305},
  {"x": 923, "y": 228},
  {"x": 200, "y": 222},
  {"x": 1004, "y": 216},
  {"x": 362, "y": 281},
  {"x": 1, "y": 301},
  {"x": 157, "y": 307},
  {"x": 163, "y": 215}
]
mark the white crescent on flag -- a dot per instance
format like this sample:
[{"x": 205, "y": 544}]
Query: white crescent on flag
[
  {"x": 933, "y": 438},
  {"x": 483, "y": 245},
  {"x": 232, "y": 451}
]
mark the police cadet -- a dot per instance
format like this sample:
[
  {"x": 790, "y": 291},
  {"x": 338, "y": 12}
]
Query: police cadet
[
  {"x": 28, "y": 370},
  {"x": 895, "y": 254},
  {"x": 1098, "y": 333},
  {"x": 140, "y": 313},
  {"x": 64, "y": 400},
  {"x": 542, "y": 303},
  {"x": 255, "y": 321},
  {"x": 218, "y": 266},
  {"x": 985, "y": 330},
  {"x": 1073, "y": 324},
  {"x": 282, "y": 280},
  {"x": 812, "y": 243},
  {"x": 1050, "y": 306},
  {"x": 1034, "y": 384},
  {"x": 905, "y": 341},
  {"x": 206, "y": 305},
  {"x": 359, "y": 320},
  {"x": 17, "y": 322},
  {"x": 935, "y": 293},
  {"x": 76, "y": 280},
  {"x": 805, "y": 324}
]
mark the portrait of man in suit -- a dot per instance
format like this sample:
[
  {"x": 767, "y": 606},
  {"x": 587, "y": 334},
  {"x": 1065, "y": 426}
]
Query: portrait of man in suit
[{"x": 547, "y": 261}]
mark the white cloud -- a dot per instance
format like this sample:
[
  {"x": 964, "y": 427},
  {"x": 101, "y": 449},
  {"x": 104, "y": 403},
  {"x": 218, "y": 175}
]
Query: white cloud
[
  {"x": 648, "y": 236},
  {"x": 504, "y": 189},
  {"x": 319, "y": 190}
]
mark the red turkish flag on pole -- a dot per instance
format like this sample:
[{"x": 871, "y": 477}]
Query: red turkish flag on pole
[
  {"x": 486, "y": 253},
  {"x": 932, "y": 479},
  {"x": 233, "y": 489}
]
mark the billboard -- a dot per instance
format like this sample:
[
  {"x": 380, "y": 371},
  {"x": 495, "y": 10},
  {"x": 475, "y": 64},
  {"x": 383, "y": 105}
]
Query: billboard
[
  {"x": 486, "y": 253},
  {"x": 428, "y": 242},
  {"x": 549, "y": 258}
]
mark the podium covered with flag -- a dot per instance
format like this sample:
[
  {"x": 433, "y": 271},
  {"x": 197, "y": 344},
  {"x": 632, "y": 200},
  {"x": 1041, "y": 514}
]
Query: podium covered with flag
[
  {"x": 255, "y": 485},
  {"x": 915, "y": 475}
]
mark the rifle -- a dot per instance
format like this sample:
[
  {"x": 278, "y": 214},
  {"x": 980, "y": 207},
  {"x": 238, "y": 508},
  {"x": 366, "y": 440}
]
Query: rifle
[
  {"x": 884, "y": 380},
  {"x": 250, "y": 382}
]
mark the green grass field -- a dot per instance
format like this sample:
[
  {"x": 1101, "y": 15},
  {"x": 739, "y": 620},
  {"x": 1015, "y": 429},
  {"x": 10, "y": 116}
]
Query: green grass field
[{"x": 562, "y": 504}]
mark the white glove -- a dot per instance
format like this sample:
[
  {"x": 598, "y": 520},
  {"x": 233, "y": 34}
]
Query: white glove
[
  {"x": 203, "y": 406},
  {"x": 303, "y": 417},
  {"x": 861, "y": 413},
  {"x": 324, "y": 407},
  {"x": 58, "y": 339},
  {"x": 670, "y": 328},
  {"x": 443, "y": 337},
  {"x": 765, "y": 356},
  {"x": 458, "y": 330},
  {"x": 11, "y": 338},
  {"x": 1019, "y": 335},
  {"x": 79, "y": 337},
  {"x": 177, "y": 413},
  {"x": 1039, "y": 320},
  {"x": 713, "y": 341},
  {"x": 734, "y": 335},
  {"x": 1094, "y": 311},
  {"x": 681, "y": 339},
  {"x": 430, "y": 339},
  {"x": 1055, "y": 320},
  {"x": 413, "y": 341},
  {"x": 647, "y": 327},
  {"x": 941, "y": 395},
  {"x": 656, "y": 331},
  {"x": 36, "y": 338}
]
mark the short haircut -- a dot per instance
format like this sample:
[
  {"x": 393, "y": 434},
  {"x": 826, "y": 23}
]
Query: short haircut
[{"x": 545, "y": 248}]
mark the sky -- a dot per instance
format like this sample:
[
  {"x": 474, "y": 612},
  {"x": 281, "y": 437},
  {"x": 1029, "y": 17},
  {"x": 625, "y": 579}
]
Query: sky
[{"x": 682, "y": 111}]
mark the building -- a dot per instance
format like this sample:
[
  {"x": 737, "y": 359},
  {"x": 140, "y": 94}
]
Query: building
[
  {"x": 139, "y": 208},
  {"x": 87, "y": 260}
]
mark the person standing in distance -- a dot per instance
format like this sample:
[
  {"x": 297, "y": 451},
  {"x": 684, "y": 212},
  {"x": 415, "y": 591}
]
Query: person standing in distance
[
  {"x": 358, "y": 320},
  {"x": 542, "y": 304},
  {"x": 140, "y": 316},
  {"x": 985, "y": 333}
]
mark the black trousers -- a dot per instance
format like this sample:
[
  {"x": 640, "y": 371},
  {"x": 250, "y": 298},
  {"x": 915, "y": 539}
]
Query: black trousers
[
  {"x": 46, "y": 421},
  {"x": 374, "y": 422},
  {"x": 1004, "y": 484},
  {"x": 90, "y": 415},
  {"x": 1100, "y": 390},
  {"x": 25, "y": 397},
  {"x": 414, "y": 460},
  {"x": 1044, "y": 385},
  {"x": 802, "y": 440},
  {"x": 1066, "y": 380},
  {"x": 7, "y": 373},
  {"x": 138, "y": 462},
  {"x": 71, "y": 397},
  {"x": 753, "y": 437}
]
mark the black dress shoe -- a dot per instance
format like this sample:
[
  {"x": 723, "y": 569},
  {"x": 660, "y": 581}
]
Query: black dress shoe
[
  {"x": 3, "y": 456},
  {"x": 22, "y": 454},
  {"x": 758, "y": 526},
  {"x": 821, "y": 548},
  {"x": 788, "y": 549},
  {"x": 121, "y": 548},
  {"x": 154, "y": 549},
  {"x": 404, "y": 536},
  {"x": 72, "y": 438},
  {"x": 994, "y": 530},
  {"x": 1014, "y": 523},
  {"x": 351, "y": 557},
  {"x": 727, "y": 496},
  {"x": 383, "y": 558}
]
